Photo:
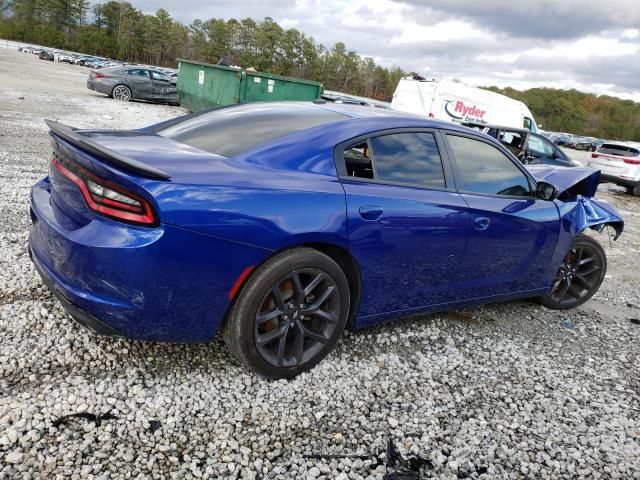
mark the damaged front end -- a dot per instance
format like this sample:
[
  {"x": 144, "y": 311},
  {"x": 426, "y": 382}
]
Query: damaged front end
[{"x": 578, "y": 209}]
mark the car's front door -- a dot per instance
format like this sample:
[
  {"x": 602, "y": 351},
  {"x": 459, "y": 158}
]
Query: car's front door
[
  {"x": 163, "y": 87},
  {"x": 140, "y": 83},
  {"x": 512, "y": 235},
  {"x": 406, "y": 224}
]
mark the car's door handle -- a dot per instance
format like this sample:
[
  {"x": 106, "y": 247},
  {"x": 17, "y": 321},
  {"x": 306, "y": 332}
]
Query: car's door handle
[
  {"x": 370, "y": 212},
  {"x": 481, "y": 223}
]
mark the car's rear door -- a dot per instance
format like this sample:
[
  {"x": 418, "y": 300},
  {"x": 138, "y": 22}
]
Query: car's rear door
[
  {"x": 406, "y": 223},
  {"x": 139, "y": 81},
  {"x": 512, "y": 235}
]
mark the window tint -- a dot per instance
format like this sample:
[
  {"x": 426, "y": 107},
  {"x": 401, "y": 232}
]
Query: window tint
[
  {"x": 232, "y": 130},
  {"x": 137, "y": 73},
  {"x": 540, "y": 145},
  {"x": 408, "y": 158},
  {"x": 485, "y": 169},
  {"x": 357, "y": 159},
  {"x": 160, "y": 76}
]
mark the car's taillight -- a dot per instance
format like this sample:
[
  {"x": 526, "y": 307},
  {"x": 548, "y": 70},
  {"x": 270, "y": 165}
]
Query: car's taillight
[
  {"x": 594, "y": 155},
  {"x": 106, "y": 198},
  {"x": 631, "y": 161},
  {"x": 98, "y": 75}
]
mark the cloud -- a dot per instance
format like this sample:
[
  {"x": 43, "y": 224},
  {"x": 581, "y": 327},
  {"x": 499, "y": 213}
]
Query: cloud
[
  {"x": 589, "y": 45},
  {"x": 540, "y": 19}
]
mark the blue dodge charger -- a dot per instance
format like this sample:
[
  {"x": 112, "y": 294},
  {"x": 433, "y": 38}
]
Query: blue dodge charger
[{"x": 282, "y": 224}]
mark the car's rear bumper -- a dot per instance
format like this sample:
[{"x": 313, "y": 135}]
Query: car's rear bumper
[
  {"x": 625, "y": 182},
  {"x": 84, "y": 318},
  {"x": 98, "y": 86},
  {"x": 157, "y": 284}
]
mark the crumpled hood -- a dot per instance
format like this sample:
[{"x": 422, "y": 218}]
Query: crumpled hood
[{"x": 570, "y": 181}]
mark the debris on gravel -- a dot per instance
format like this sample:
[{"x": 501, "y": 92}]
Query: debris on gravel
[{"x": 501, "y": 391}]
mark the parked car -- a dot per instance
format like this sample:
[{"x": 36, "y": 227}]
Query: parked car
[
  {"x": 618, "y": 163},
  {"x": 588, "y": 144},
  {"x": 283, "y": 223},
  {"x": 66, "y": 58},
  {"x": 86, "y": 61},
  {"x": 134, "y": 83},
  {"x": 528, "y": 147},
  {"x": 46, "y": 55},
  {"x": 562, "y": 139}
]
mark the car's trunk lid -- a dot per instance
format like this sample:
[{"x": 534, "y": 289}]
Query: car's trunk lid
[{"x": 134, "y": 161}]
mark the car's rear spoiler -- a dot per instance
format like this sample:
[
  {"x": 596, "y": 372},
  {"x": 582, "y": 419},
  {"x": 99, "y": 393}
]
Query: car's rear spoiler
[{"x": 71, "y": 135}]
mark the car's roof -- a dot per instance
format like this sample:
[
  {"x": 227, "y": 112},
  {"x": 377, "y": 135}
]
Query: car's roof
[
  {"x": 499, "y": 127},
  {"x": 381, "y": 115},
  {"x": 623, "y": 144}
]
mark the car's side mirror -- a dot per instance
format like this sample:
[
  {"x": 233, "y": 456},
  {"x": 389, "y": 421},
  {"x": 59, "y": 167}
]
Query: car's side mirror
[{"x": 546, "y": 191}]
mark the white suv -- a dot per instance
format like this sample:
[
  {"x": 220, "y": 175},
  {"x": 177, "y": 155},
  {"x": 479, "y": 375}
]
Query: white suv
[{"x": 618, "y": 163}]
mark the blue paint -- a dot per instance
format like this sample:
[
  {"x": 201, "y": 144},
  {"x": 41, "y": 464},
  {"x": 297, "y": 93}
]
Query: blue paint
[{"x": 417, "y": 249}]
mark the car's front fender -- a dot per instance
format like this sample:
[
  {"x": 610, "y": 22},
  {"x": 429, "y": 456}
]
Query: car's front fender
[{"x": 581, "y": 213}]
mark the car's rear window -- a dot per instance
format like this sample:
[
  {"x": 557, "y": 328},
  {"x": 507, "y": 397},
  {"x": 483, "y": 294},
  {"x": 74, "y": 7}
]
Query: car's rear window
[
  {"x": 233, "y": 130},
  {"x": 621, "y": 150}
]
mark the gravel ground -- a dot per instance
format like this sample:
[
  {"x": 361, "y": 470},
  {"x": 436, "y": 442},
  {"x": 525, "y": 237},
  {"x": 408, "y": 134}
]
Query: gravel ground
[{"x": 503, "y": 391}]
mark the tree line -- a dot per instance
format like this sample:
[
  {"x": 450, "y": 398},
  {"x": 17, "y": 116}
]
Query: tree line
[
  {"x": 119, "y": 30},
  {"x": 581, "y": 113}
]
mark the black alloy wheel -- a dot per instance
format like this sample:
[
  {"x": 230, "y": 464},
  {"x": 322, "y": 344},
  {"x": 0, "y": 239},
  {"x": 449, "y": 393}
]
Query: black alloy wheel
[
  {"x": 579, "y": 276},
  {"x": 289, "y": 314},
  {"x": 297, "y": 317}
]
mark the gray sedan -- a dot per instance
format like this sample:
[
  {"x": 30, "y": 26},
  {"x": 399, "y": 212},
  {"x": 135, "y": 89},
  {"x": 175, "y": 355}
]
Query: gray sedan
[{"x": 131, "y": 82}]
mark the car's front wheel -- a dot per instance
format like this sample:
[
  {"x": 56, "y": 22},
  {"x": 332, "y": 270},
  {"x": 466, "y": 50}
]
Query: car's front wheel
[
  {"x": 580, "y": 275},
  {"x": 121, "y": 92},
  {"x": 634, "y": 190},
  {"x": 289, "y": 314}
]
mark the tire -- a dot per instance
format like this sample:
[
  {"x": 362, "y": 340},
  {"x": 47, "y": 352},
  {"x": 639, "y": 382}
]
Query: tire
[
  {"x": 299, "y": 337},
  {"x": 579, "y": 277},
  {"x": 121, "y": 92},
  {"x": 635, "y": 190}
]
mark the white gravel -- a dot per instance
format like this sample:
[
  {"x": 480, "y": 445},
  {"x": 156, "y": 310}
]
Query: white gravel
[{"x": 503, "y": 391}]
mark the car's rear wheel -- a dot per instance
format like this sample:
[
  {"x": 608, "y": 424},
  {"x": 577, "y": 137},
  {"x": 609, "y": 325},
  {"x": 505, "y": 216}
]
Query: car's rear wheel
[
  {"x": 121, "y": 92},
  {"x": 579, "y": 276},
  {"x": 289, "y": 314}
]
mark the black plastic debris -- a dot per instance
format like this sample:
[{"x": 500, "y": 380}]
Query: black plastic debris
[
  {"x": 635, "y": 321},
  {"x": 154, "y": 425},
  {"x": 404, "y": 468},
  {"x": 90, "y": 417}
]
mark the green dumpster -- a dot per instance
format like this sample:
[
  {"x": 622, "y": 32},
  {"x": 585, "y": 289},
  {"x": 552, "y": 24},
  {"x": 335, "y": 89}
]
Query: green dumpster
[{"x": 202, "y": 85}]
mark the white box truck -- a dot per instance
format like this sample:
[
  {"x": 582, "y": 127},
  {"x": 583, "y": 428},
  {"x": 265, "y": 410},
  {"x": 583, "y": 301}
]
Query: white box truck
[{"x": 456, "y": 102}]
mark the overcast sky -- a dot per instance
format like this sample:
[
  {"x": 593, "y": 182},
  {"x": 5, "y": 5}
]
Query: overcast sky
[{"x": 591, "y": 45}]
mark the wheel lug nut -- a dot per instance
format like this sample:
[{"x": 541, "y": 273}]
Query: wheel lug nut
[{"x": 302, "y": 305}]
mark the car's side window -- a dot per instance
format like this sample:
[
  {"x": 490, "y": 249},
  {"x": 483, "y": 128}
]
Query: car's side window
[
  {"x": 484, "y": 169},
  {"x": 411, "y": 158},
  {"x": 540, "y": 146},
  {"x": 138, "y": 73},
  {"x": 357, "y": 159},
  {"x": 160, "y": 77}
]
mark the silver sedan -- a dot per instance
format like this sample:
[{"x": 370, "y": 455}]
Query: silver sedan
[{"x": 134, "y": 83}]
